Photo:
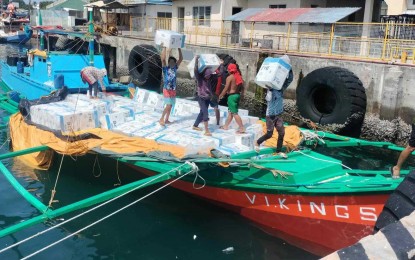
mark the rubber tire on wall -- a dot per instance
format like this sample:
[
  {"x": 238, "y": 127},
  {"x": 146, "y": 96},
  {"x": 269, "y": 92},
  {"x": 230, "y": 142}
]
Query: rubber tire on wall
[
  {"x": 337, "y": 90},
  {"x": 400, "y": 203},
  {"x": 144, "y": 64}
]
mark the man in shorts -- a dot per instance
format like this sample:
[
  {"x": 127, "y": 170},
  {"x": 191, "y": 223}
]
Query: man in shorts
[
  {"x": 169, "y": 89},
  {"x": 233, "y": 86},
  {"x": 396, "y": 170}
]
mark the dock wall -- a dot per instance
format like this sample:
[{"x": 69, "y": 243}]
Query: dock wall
[{"x": 389, "y": 87}]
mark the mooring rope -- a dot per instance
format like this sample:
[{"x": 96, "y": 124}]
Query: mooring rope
[
  {"x": 323, "y": 160},
  {"x": 194, "y": 169}
]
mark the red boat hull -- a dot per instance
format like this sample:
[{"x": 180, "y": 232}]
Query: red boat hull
[{"x": 318, "y": 224}]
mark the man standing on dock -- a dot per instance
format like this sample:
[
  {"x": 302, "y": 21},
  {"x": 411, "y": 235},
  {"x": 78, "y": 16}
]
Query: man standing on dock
[
  {"x": 275, "y": 107},
  {"x": 169, "y": 89},
  {"x": 92, "y": 75}
]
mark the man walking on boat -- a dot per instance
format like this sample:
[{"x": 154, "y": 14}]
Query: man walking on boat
[
  {"x": 204, "y": 95},
  {"x": 92, "y": 76},
  {"x": 275, "y": 107},
  {"x": 234, "y": 89},
  {"x": 169, "y": 89}
]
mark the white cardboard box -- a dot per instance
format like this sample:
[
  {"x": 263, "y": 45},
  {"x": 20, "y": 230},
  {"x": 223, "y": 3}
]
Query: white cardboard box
[
  {"x": 273, "y": 73},
  {"x": 141, "y": 95},
  {"x": 205, "y": 61},
  {"x": 155, "y": 100},
  {"x": 170, "y": 39},
  {"x": 113, "y": 120}
]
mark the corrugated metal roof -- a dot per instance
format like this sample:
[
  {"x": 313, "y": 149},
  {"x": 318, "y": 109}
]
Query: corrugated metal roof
[{"x": 293, "y": 15}]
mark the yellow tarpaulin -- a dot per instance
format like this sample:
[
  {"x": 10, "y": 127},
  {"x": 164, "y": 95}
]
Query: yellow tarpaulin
[{"x": 25, "y": 136}]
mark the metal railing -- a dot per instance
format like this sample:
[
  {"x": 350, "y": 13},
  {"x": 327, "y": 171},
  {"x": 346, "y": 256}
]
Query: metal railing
[{"x": 374, "y": 41}]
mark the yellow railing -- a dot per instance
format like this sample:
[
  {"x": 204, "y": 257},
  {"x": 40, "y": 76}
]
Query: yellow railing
[{"x": 374, "y": 41}]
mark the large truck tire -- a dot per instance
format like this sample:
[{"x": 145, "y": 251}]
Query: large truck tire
[
  {"x": 401, "y": 203},
  {"x": 144, "y": 64},
  {"x": 332, "y": 95}
]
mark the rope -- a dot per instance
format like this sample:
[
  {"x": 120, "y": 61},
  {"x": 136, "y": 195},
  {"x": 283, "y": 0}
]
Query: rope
[
  {"x": 194, "y": 169},
  {"x": 53, "y": 192},
  {"x": 118, "y": 175},
  {"x": 323, "y": 160},
  {"x": 94, "y": 208},
  {"x": 99, "y": 166}
]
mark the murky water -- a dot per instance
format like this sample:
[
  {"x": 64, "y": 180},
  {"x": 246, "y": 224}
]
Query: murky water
[{"x": 167, "y": 225}]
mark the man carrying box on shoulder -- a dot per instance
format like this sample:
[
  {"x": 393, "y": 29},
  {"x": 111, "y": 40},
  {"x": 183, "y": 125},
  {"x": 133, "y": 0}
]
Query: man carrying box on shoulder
[
  {"x": 275, "y": 107},
  {"x": 169, "y": 89}
]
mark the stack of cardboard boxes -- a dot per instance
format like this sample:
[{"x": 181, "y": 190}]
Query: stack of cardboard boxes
[{"x": 139, "y": 117}]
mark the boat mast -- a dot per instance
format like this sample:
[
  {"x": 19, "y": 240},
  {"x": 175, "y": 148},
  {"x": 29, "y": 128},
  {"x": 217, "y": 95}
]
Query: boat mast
[
  {"x": 91, "y": 39},
  {"x": 42, "y": 41}
]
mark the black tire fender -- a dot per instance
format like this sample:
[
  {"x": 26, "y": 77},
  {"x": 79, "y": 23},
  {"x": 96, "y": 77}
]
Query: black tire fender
[
  {"x": 331, "y": 95},
  {"x": 401, "y": 203},
  {"x": 144, "y": 64}
]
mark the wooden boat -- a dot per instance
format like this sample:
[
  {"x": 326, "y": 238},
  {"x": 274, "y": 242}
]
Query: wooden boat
[
  {"x": 312, "y": 199},
  {"x": 44, "y": 70},
  {"x": 17, "y": 37}
]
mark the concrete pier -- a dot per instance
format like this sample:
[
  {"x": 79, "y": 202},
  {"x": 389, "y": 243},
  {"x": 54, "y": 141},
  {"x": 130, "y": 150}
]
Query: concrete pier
[
  {"x": 395, "y": 241},
  {"x": 389, "y": 87}
]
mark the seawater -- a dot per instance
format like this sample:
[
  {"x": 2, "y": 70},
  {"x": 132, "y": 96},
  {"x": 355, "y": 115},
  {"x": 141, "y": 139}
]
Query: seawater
[{"x": 167, "y": 225}]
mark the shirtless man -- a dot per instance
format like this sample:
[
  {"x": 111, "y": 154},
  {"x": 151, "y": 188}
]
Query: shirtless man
[{"x": 233, "y": 87}]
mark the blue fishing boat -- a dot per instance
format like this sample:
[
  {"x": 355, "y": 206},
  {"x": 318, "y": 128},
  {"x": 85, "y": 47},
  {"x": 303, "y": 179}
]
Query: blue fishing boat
[
  {"x": 41, "y": 71},
  {"x": 19, "y": 37}
]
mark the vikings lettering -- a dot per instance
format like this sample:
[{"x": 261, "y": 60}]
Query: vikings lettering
[{"x": 314, "y": 207}]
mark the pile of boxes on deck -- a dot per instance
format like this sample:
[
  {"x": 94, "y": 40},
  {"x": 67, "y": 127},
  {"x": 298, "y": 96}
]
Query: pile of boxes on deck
[{"x": 139, "y": 117}]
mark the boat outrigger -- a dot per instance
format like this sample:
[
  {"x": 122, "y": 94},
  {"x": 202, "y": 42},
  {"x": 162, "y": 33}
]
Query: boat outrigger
[{"x": 315, "y": 199}]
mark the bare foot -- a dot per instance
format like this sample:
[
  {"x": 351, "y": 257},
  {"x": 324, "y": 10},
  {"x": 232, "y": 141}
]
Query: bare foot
[
  {"x": 208, "y": 134},
  {"x": 168, "y": 122},
  {"x": 197, "y": 128},
  {"x": 241, "y": 131},
  {"x": 224, "y": 128},
  {"x": 161, "y": 122},
  {"x": 395, "y": 172}
]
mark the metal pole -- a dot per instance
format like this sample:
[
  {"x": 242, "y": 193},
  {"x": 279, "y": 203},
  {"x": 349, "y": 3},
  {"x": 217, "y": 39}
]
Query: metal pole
[
  {"x": 287, "y": 45},
  {"x": 252, "y": 35},
  {"x": 331, "y": 39},
  {"x": 42, "y": 41},
  {"x": 385, "y": 40},
  {"x": 91, "y": 40}
]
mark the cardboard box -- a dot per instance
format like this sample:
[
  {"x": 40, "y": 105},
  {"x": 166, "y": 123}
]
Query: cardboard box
[
  {"x": 273, "y": 73},
  {"x": 141, "y": 95},
  {"x": 247, "y": 139},
  {"x": 170, "y": 39},
  {"x": 223, "y": 138},
  {"x": 205, "y": 61},
  {"x": 113, "y": 120},
  {"x": 155, "y": 100},
  {"x": 234, "y": 148}
]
